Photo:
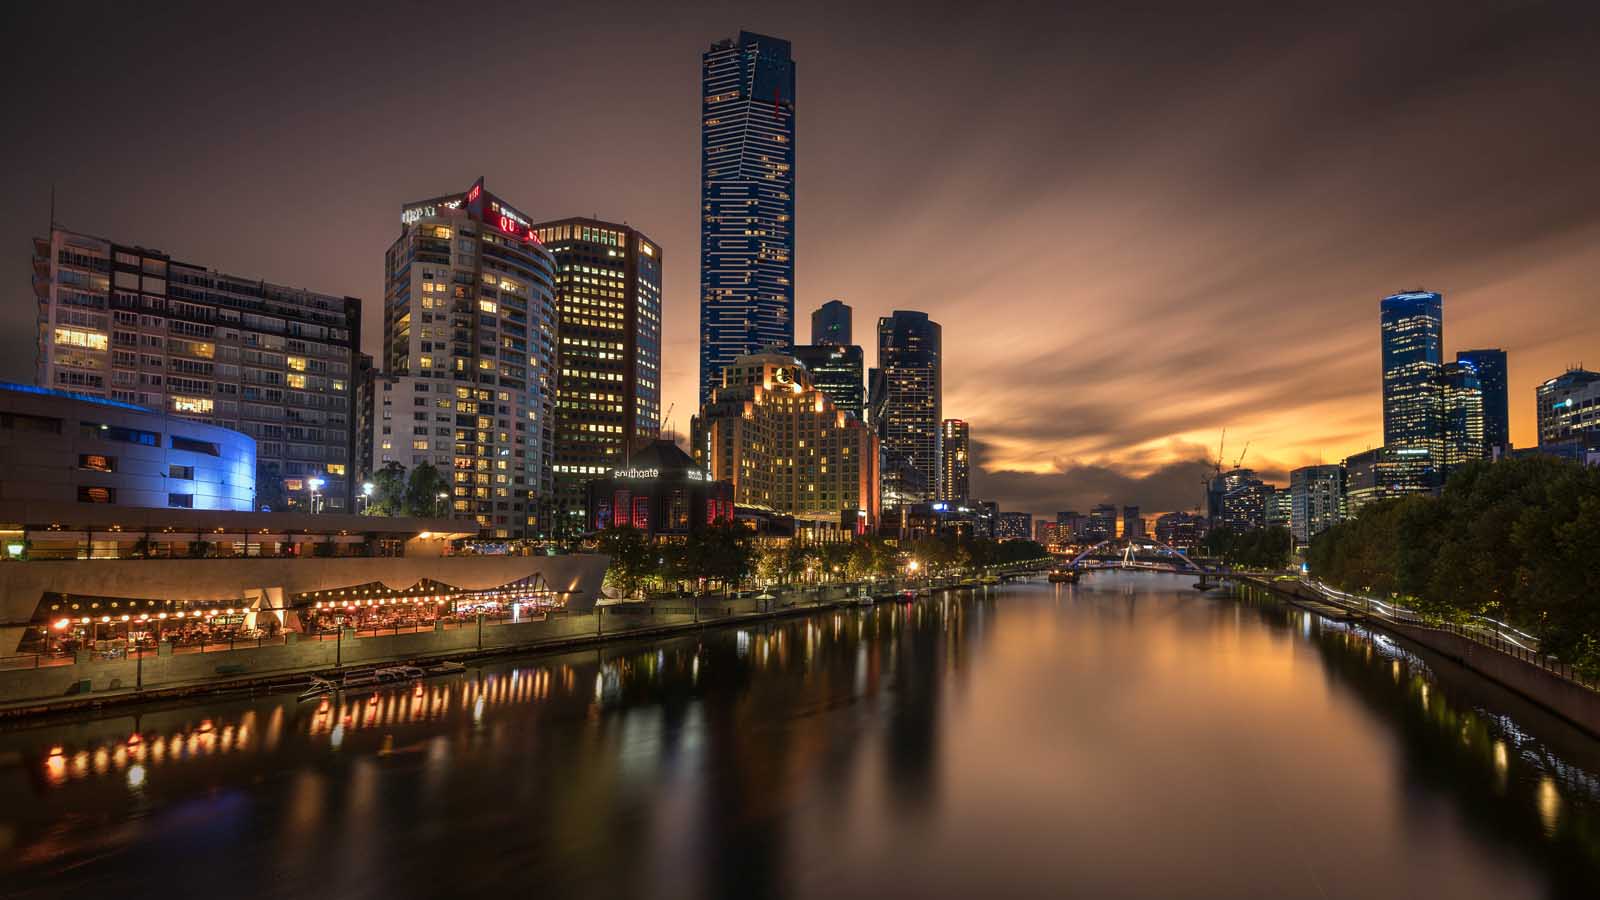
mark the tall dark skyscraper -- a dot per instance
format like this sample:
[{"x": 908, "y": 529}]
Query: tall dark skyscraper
[
  {"x": 1460, "y": 399},
  {"x": 1412, "y": 325},
  {"x": 1490, "y": 366},
  {"x": 608, "y": 351},
  {"x": 837, "y": 373},
  {"x": 746, "y": 203},
  {"x": 831, "y": 324},
  {"x": 912, "y": 401},
  {"x": 955, "y": 453}
]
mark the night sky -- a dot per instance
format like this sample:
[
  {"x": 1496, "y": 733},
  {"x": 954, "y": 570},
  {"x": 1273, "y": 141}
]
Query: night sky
[{"x": 1137, "y": 222}]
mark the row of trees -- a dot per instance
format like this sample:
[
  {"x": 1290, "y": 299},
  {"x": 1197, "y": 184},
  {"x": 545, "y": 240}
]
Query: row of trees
[
  {"x": 1254, "y": 548},
  {"x": 1516, "y": 540},
  {"x": 424, "y": 492},
  {"x": 726, "y": 557}
]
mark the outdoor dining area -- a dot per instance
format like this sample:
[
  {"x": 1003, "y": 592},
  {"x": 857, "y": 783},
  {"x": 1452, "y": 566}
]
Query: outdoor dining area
[{"x": 378, "y": 609}]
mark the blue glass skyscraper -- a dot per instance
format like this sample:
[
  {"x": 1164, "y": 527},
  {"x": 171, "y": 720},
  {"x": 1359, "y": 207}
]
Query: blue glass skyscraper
[
  {"x": 747, "y": 202},
  {"x": 1412, "y": 325},
  {"x": 1490, "y": 365}
]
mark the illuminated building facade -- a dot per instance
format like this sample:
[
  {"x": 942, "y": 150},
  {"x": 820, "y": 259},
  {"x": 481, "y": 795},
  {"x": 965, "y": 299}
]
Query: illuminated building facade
[
  {"x": 1569, "y": 411},
  {"x": 833, "y": 323},
  {"x": 469, "y": 310},
  {"x": 910, "y": 406},
  {"x": 747, "y": 133},
  {"x": 786, "y": 448},
  {"x": 1459, "y": 396},
  {"x": 954, "y": 451},
  {"x": 608, "y": 314},
  {"x": 1014, "y": 526},
  {"x": 661, "y": 491},
  {"x": 1490, "y": 367},
  {"x": 413, "y": 422},
  {"x": 62, "y": 447},
  {"x": 1181, "y": 530},
  {"x": 1412, "y": 330},
  {"x": 1385, "y": 472},
  {"x": 1102, "y": 524},
  {"x": 134, "y": 325},
  {"x": 836, "y": 371},
  {"x": 1316, "y": 499}
]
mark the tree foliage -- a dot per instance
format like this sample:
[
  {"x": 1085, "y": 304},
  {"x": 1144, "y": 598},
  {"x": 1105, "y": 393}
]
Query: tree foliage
[
  {"x": 1254, "y": 548},
  {"x": 1514, "y": 540},
  {"x": 388, "y": 491}
]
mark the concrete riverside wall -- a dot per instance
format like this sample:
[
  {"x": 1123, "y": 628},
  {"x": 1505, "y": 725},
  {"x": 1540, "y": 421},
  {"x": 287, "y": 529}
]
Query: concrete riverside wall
[
  {"x": 156, "y": 672},
  {"x": 1573, "y": 702}
]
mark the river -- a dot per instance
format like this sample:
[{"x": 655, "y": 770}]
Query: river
[{"x": 1124, "y": 737}]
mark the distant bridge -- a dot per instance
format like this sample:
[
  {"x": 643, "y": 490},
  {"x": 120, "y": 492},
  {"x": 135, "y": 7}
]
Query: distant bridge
[{"x": 1138, "y": 553}]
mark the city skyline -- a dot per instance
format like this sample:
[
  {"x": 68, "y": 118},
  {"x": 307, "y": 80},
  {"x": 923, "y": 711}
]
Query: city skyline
[{"x": 1516, "y": 278}]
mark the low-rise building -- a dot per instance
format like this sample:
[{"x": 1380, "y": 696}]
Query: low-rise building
[{"x": 661, "y": 492}]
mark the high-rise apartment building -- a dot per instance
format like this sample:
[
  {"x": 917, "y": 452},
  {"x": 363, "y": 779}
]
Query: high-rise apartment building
[
  {"x": 1102, "y": 524},
  {"x": 785, "y": 447},
  {"x": 832, "y": 323},
  {"x": 836, "y": 371},
  {"x": 127, "y": 323},
  {"x": 1569, "y": 411},
  {"x": 1316, "y": 499},
  {"x": 955, "y": 448},
  {"x": 1412, "y": 329},
  {"x": 912, "y": 399},
  {"x": 469, "y": 312},
  {"x": 608, "y": 354},
  {"x": 747, "y": 131},
  {"x": 1490, "y": 367},
  {"x": 1459, "y": 397}
]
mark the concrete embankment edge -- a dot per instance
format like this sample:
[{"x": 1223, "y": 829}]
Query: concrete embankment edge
[{"x": 1573, "y": 702}]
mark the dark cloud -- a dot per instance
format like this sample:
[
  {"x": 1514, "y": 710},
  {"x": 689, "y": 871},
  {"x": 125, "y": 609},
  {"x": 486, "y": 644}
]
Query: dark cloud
[{"x": 1139, "y": 222}]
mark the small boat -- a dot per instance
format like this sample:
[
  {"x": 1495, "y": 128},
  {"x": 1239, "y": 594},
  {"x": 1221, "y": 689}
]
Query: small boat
[
  {"x": 866, "y": 599},
  {"x": 383, "y": 675}
]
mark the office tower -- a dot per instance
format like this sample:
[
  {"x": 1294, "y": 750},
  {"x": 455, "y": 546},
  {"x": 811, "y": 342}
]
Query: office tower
[
  {"x": 912, "y": 399},
  {"x": 1490, "y": 367},
  {"x": 954, "y": 450},
  {"x": 1412, "y": 329},
  {"x": 1385, "y": 472},
  {"x": 747, "y": 202},
  {"x": 469, "y": 312},
  {"x": 126, "y": 323},
  {"x": 1316, "y": 498},
  {"x": 608, "y": 354},
  {"x": 987, "y": 520},
  {"x": 1015, "y": 526},
  {"x": 364, "y": 448},
  {"x": 1102, "y": 525},
  {"x": 1569, "y": 412},
  {"x": 831, "y": 324},
  {"x": 1070, "y": 525},
  {"x": 1245, "y": 505},
  {"x": 836, "y": 371},
  {"x": 1460, "y": 401},
  {"x": 1278, "y": 510},
  {"x": 1132, "y": 522},
  {"x": 787, "y": 448}
]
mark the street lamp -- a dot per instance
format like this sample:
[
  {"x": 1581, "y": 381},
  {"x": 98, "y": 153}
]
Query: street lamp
[
  {"x": 367, "y": 488},
  {"x": 316, "y": 485},
  {"x": 442, "y": 496}
]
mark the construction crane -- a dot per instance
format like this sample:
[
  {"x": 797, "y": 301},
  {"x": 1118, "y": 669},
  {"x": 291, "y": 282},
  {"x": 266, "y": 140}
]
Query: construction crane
[
  {"x": 666, "y": 417},
  {"x": 1240, "y": 461}
]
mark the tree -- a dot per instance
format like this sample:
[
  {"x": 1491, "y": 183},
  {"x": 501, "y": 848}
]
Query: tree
[
  {"x": 633, "y": 560},
  {"x": 427, "y": 492},
  {"x": 723, "y": 553},
  {"x": 388, "y": 491}
]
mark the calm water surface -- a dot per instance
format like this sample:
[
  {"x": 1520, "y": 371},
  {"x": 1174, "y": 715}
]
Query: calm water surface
[{"x": 1126, "y": 737}]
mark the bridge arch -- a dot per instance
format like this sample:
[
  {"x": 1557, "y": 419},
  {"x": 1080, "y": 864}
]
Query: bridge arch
[{"x": 1188, "y": 563}]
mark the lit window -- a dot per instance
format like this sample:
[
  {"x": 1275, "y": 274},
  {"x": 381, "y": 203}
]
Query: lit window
[
  {"x": 192, "y": 405},
  {"x": 297, "y": 363},
  {"x": 487, "y": 306},
  {"x": 295, "y": 380},
  {"x": 72, "y": 337}
]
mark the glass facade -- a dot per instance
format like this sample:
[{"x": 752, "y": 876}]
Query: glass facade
[
  {"x": 837, "y": 372},
  {"x": 955, "y": 450},
  {"x": 1316, "y": 499},
  {"x": 608, "y": 395},
  {"x": 1460, "y": 400},
  {"x": 1569, "y": 410},
  {"x": 1412, "y": 325},
  {"x": 911, "y": 402},
  {"x": 1490, "y": 367},
  {"x": 747, "y": 202}
]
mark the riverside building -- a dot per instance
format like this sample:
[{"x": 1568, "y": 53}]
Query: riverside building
[
  {"x": 130, "y": 324},
  {"x": 1459, "y": 397},
  {"x": 608, "y": 393},
  {"x": 747, "y": 132},
  {"x": 910, "y": 405},
  {"x": 1569, "y": 412},
  {"x": 469, "y": 313},
  {"x": 786, "y": 448},
  {"x": 1316, "y": 497},
  {"x": 1412, "y": 330},
  {"x": 954, "y": 450}
]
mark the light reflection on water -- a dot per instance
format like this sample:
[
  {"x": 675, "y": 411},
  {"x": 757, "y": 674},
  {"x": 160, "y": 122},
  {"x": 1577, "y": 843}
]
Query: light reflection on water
[{"x": 1125, "y": 735}]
